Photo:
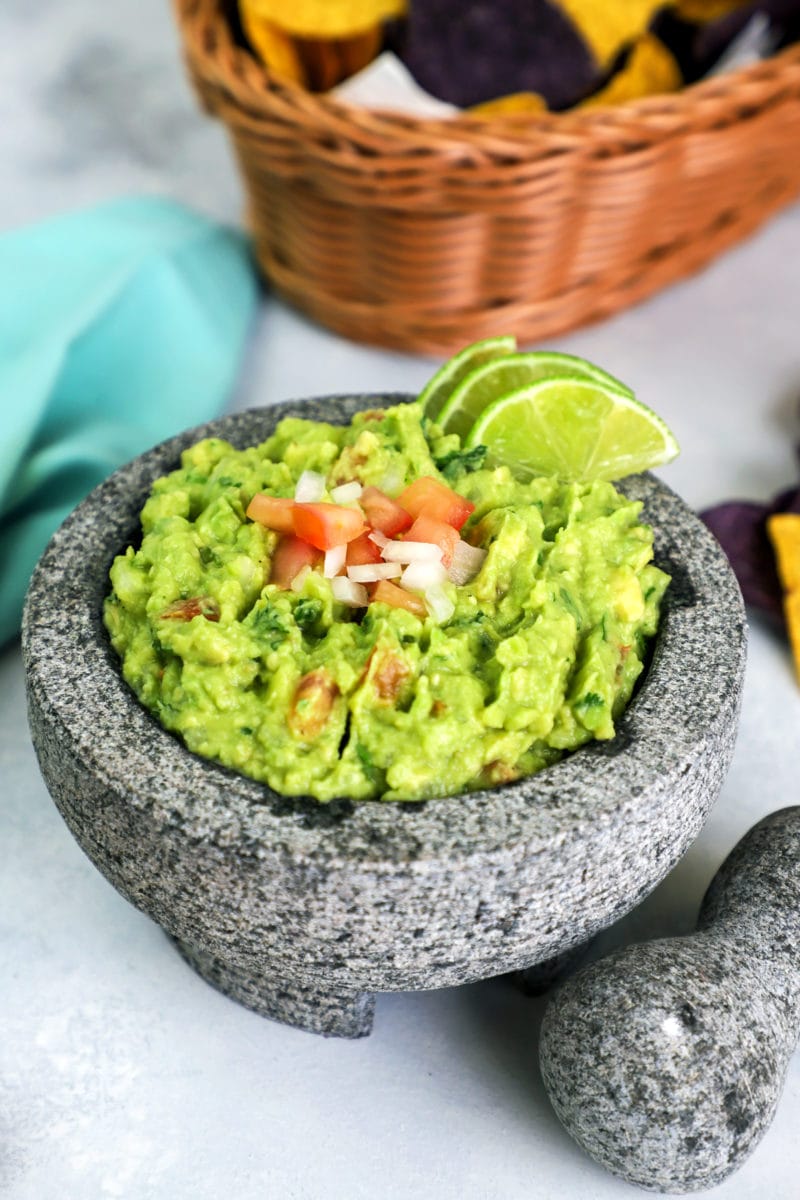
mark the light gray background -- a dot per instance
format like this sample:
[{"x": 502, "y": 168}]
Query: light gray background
[{"x": 121, "y": 1073}]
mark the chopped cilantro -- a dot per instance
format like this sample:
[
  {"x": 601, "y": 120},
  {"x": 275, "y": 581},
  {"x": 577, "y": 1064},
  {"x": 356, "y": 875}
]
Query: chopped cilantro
[
  {"x": 266, "y": 624},
  {"x": 307, "y": 612},
  {"x": 568, "y": 601},
  {"x": 365, "y": 758},
  {"x": 459, "y": 462},
  {"x": 591, "y": 700},
  {"x": 462, "y": 622}
]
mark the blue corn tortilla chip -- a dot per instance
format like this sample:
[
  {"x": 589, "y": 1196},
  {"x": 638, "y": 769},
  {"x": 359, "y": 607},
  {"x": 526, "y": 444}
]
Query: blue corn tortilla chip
[
  {"x": 784, "y": 27},
  {"x": 698, "y": 47},
  {"x": 740, "y": 526},
  {"x": 470, "y": 51}
]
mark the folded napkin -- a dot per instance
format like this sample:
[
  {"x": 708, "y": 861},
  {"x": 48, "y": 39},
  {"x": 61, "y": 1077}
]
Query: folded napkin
[{"x": 119, "y": 326}]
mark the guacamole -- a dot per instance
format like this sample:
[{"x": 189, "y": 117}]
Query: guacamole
[{"x": 287, "y": 684}]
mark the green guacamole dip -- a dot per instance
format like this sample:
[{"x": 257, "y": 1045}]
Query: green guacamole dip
[{"x": 314, "y": 698}]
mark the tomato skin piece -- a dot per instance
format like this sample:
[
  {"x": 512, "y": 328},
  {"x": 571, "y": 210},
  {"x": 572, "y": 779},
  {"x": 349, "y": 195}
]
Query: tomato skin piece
[
  {"x": 362, "y": 551},
  {"x": 291, "y": 555},
  {"x": 383, "y": 513},
  {"x": 439, "y": 533},
  {"x": 274, "y": 512},
  {"x": 194, "y": 606},
  {"x": 427, "y": 495},
  {"x": 311, "y": 707},
  {"x": 386, "y": 592},
  {"x": 327, "y": 525}
]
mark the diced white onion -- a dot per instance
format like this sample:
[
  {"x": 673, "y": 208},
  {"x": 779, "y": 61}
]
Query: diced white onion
[
  {"x": 372, "y": 572},
  {"x": 348, "y": 592},
  {"x": 419, "y": 576},
  {"x": 334, "y": 560},
  {"x": 439, "y": 605},
  {"x": 408, "y": 552},
  {"x": 346, "y": 493},
  {"x": 310, "y": 487},
  {"x": 380, "y": 539},
  {"x": 467, "y": 561},
  {"x": 302, "y": 575},
  {"x": 392, "y": 482}
]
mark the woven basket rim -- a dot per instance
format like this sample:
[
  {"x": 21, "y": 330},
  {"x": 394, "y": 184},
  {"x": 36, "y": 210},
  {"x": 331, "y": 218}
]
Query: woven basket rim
[{"x": 242, "y": 79}]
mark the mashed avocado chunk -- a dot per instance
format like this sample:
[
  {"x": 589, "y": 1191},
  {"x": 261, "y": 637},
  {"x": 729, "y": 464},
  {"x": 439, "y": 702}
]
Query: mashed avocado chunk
[{"x": 315, "y": 697}]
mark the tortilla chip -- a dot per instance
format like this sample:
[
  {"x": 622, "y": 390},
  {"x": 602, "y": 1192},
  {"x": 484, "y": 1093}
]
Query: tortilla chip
[
  {"x": 275, "y": 48},
  {"x": 608, "y": 27},
  {"x": 327, "y": 61},
  {"x": 791, "y": 609},
  {"x": 325, "y": 18},
  {"x": 517, "y": 102},
  {"x": 467, "y": 52},
  {"x": 649, "y": 71},
  {"x": 784, "y": 533},
  {"x": 700, "y": 12}
]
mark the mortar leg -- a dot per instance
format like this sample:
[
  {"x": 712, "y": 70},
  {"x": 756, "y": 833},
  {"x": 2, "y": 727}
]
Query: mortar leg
[{"x": 317, "y": 1008}]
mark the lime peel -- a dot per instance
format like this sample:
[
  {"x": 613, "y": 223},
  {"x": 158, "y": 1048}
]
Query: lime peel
[
  {"x": 436, "y": 393},
  {"x": 574, "y": 429},
  {"x": 497, "y": 377}
]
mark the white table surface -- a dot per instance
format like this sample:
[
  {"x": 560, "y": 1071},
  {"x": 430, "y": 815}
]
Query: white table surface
[{"x": 122, "y": 1074}]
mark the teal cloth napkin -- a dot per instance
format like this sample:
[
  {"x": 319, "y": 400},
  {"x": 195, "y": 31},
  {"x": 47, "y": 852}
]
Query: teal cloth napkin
[{"x": 119, "y": 326}]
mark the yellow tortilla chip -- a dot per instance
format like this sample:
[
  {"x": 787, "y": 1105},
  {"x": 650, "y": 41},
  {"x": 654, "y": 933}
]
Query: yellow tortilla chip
[
  {"x": 650, "y": 70},
  {"x": 784, "y": 533},
  {"x": 607, "y": 27},
  {"x": 325, "y": 18},
  {"x": 791, "y": 608},
  {"x": 517, "y": 102},
  {"x": 327, "y": 61},
  {"x": 275, "y": 48},
  {"x": 700, "y": 12}
]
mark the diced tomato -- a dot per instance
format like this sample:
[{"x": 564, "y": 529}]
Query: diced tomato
[
  {"x": 272, "y": 511},
  {"x": 327, "y": 525},
  {"x": 362, "y": 551},
  {"x": 291, "y": 555},
  {"x": 427, "y": 529},
  {"x": 436, "y": 500},
  {"x": 383, "y": 513},
  {"x": 389, "y": 593}
]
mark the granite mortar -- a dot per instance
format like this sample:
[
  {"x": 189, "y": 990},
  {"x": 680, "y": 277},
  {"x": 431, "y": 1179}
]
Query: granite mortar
[{"x": 302, "y": 910}]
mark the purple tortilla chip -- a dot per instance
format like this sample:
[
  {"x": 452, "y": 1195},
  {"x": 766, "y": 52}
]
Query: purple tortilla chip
[
  {"x": 713, "y": 39},
  {"x": 468, "y": 51},
  {"x": 740, "y": 526}
]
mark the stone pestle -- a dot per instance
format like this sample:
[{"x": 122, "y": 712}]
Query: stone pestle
[{"x": 666, "y": 1060}]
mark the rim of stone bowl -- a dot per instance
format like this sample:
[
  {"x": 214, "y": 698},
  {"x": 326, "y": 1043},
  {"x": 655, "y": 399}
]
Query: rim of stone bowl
[{"x": 695, "y": 667}]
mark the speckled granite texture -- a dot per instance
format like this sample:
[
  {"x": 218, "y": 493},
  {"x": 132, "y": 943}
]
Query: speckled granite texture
[
  {"x": 300, "y": 909},
  {"x": 666, "y": 1060}
]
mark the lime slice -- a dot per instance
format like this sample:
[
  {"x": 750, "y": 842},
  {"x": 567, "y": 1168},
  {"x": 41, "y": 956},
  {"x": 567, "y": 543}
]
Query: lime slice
[
  {"x": 499, "y": 376},
  {"x": 575, "y": 429},
  {"x": 437, "y": 392}
]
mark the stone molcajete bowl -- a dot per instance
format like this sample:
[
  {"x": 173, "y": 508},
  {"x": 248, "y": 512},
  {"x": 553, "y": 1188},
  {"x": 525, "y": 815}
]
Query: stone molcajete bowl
[{"x": 302, "y": 911}]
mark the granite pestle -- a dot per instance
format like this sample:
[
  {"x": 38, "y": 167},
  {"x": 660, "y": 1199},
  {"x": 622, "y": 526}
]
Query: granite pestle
[{"x": 666, "y": 1060}]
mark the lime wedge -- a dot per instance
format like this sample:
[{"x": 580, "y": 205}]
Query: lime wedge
[
  {"x": 577, "y": 429},
  {"x": 437, "y": 392},
  {"x": 499, "y": 376}
]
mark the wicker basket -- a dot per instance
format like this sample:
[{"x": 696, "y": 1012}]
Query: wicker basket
[{"x": 425, "y": 235}]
